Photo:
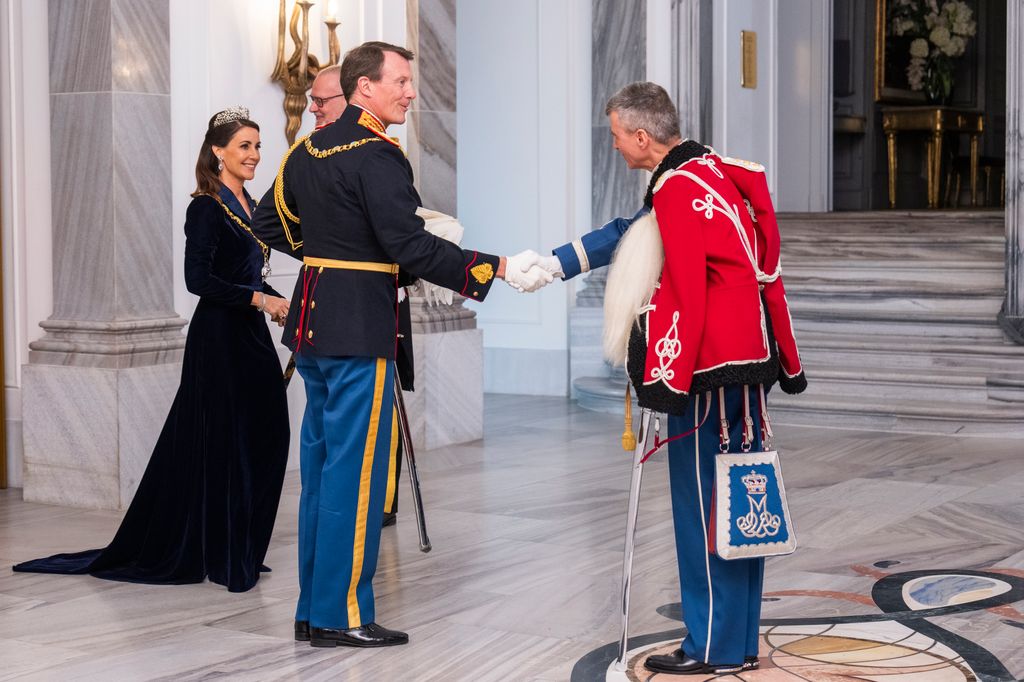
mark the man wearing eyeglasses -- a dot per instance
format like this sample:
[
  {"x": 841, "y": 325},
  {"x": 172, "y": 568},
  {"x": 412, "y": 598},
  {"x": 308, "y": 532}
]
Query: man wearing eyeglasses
[{"x": 326, "y": 101}]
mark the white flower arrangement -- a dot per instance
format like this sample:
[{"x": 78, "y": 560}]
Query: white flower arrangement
[{"x": 940, "y": 35}]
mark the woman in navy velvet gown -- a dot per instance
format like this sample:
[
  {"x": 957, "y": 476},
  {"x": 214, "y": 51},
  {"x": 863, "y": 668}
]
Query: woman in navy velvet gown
[{"x": 207, "y": 502}]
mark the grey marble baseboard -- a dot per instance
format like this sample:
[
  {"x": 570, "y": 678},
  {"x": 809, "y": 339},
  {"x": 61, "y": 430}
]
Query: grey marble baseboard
[{"x": 89, "y": 432}]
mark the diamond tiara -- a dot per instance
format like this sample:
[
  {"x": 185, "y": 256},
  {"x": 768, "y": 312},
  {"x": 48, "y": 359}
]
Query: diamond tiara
[{"x": 230, "y": 114}]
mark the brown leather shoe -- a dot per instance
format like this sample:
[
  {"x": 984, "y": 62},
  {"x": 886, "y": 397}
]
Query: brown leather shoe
[{"x": 368, "y": 635}]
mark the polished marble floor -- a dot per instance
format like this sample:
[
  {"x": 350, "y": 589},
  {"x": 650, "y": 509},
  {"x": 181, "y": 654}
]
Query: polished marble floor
[{"x": 522, "y": 583}]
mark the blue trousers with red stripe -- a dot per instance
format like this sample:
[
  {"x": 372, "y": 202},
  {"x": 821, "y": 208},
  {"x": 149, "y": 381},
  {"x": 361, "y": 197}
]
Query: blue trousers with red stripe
[
  {"x": 344, "y": 458},
  {"x": 721, "y": 599}
]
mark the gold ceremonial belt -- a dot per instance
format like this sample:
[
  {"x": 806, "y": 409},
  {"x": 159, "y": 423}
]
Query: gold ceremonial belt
[{"x": 390, "y": 268}]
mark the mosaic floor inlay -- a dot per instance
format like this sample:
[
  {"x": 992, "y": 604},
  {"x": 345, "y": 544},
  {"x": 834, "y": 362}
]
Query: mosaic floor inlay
[{"x": 898, "y": 644}]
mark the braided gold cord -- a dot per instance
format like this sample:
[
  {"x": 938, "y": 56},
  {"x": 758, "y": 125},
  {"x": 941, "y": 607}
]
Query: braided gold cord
[
  {"x": 241, "y": 224},
  {"x": 324, "y": 153},
  {"x": 279, "y": 203}
]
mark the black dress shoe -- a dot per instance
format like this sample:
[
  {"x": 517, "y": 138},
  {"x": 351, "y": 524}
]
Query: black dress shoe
[
  {"x": 390, "y": 519},
  {"x": 302, "y": 631},
  {"x": 367, "y": 635},
  {"x": 678, "y": 663}
]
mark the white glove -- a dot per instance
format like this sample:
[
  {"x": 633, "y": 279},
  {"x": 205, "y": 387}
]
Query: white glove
[
  {"x": 523, "y": 273},
  {"x": 552, "y": 265}
]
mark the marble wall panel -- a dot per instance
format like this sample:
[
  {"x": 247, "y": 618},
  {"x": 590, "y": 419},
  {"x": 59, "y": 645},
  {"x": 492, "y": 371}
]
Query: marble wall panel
[
  {"x": 619, "y": 57},
  {"x": 619, "y": 50},
  {"x": 433, "y": 156},
  {"x": 432, "y": 129},
  {"x": 142, "y": 209},
  {"x": 81, "y": 153},
  {"x": 80, "y": 45},
  {"x": 435, "y": 46},
  {"x": 141, "y": 51}
]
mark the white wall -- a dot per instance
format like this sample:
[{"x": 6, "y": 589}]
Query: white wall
[
  {"x": 744, "y": 119},
  {"x": 523, "y": 170},
  {"x": 25, "y": 189},
  {"x": 804, "y": 106}
]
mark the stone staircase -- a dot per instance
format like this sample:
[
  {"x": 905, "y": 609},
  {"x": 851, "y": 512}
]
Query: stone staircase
[{"x": 895, "y": 314}]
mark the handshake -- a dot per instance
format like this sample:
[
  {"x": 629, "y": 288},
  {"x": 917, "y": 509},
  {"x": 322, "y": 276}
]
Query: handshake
[{"x": 528, "y": 271}]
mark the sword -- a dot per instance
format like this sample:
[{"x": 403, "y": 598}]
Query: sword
[
  {"x": 634, "y": 510},
  {"x": 410, "y": 465}
]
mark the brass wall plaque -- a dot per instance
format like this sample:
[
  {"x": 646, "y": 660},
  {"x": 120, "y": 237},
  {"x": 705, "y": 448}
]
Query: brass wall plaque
[{"x": 748, "y": 44}]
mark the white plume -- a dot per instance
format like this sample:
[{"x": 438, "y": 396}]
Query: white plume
[{"x": 632, "y": 276}]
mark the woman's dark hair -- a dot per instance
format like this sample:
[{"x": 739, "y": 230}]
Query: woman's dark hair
[{"x": 207, "y": 175}]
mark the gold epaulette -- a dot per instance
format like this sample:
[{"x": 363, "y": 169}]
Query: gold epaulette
[
  {"x": 370, "y": 122},
  {"x": 749, "y": 165},
  {"x": 279, "y": 203}
]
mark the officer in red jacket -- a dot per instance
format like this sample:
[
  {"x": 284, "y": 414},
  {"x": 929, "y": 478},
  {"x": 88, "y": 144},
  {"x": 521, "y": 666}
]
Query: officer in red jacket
[{"x": 717, "y": 326}]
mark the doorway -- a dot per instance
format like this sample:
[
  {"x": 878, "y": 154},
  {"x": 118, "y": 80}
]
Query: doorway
[{"x": 870, "y": 78}]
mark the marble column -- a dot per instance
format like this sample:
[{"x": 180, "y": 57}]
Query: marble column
[
  {"x": 618, "y": 57},
  {"x": 447, "y": 405},
  {"x": 691, "y": 68},
  {"x": 100, "y": 381},
  {"x": 1011, "y": 317}
]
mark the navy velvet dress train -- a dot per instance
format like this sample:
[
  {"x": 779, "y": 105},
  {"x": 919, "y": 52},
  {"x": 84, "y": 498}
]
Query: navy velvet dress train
[{"x": 207, "y": 502}]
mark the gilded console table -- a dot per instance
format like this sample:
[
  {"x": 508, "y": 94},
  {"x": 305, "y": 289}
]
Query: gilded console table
[{"x": 936, "y": 121}]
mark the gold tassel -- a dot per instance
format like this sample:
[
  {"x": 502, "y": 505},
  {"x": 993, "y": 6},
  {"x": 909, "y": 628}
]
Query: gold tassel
[{"x": 628, "y": 438}]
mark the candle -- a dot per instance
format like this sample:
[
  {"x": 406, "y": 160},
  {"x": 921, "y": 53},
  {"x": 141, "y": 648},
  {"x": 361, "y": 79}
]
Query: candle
[{"x": 329, "y": 15}]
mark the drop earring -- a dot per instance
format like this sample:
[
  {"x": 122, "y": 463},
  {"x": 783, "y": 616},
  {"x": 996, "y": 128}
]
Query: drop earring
[{"x": 220, "y": 164}]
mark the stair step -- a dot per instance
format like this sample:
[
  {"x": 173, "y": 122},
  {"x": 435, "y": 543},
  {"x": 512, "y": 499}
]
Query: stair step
[
  {"x": 827, "y": 302},
  {"x": 953, "y": 417},
  {"x": 883, "y": 326},
  {"x": 898, "y": 276},
  {"x": 897, "y": 385}
]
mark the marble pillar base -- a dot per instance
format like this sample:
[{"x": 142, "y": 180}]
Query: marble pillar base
[
  {"x": 110, "y": 343},
  {"x": 1012, "y": 326},
  {"x": 447, "y": 406},
  {"x": 586, "y": 325},
  {"x": 89, "y": 431}
]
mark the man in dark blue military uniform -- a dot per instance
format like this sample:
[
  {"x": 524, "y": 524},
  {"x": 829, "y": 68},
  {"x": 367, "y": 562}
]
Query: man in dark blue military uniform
[{"x": 344, "y": 202}]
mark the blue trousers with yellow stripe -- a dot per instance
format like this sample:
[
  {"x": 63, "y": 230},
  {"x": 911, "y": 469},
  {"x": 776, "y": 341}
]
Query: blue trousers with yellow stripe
[
  {"x": 344, "y": 457},
  {"x": 721, "y": 599}
]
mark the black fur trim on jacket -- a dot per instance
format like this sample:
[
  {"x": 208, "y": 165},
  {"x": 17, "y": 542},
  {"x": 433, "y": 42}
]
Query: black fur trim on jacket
[
  {"x": 660, "y": 398},
  {"x": 797, "y": 384},
  {"x": 682, "y": 152}
]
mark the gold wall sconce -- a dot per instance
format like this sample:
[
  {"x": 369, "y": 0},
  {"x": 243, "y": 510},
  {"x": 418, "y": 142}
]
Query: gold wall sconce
[{"x": 297, "y": 73}]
